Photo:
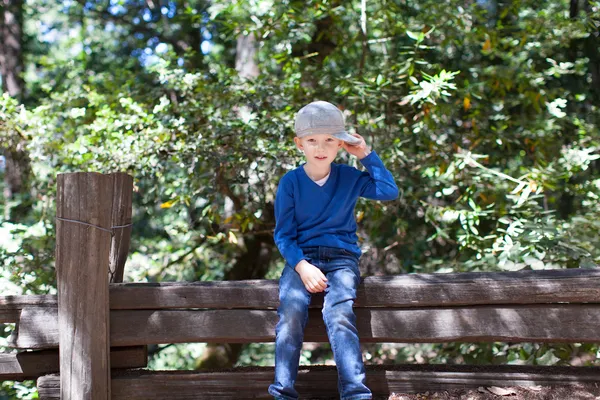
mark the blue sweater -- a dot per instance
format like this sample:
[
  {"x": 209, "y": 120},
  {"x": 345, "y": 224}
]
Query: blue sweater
[{"x": 307, "y": 214}]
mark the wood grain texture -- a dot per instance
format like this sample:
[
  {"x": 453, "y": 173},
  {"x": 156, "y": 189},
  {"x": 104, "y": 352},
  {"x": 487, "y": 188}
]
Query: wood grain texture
[
  {"x": 82, "y": 264},
  {"x": 534, "y": 323},
  {"x": 11, "y": 306},
  {"x": 121, "y": 216},
  {"x": 252, "y": 382},
  {"x": 414, "y": 290},
  {"x": 32, "y": 364}
]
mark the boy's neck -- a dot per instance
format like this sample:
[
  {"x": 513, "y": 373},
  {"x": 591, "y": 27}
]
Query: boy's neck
[{"x": 315, "y": 173}]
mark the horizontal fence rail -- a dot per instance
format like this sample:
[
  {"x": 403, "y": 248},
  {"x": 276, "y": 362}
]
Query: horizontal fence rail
[
  {"x": 11, "y": 306},
  {"x": 31, "y": 364},
  {"x": 321, "y": 381},
  {"x": 572, "y": 323},
  {"x": 415, "y": 290}
]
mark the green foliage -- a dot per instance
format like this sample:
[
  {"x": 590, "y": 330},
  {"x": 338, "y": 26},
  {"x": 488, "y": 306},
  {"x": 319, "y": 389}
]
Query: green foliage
[
  {"x": 497, "y": 353},
  {"x": 176, "y": 356},
  {"x": 486, "y": 115},
  {"x": 25, "y": 390}
]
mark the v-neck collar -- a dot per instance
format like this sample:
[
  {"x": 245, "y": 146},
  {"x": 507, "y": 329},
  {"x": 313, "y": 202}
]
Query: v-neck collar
[{"x": 331, "y": 175}]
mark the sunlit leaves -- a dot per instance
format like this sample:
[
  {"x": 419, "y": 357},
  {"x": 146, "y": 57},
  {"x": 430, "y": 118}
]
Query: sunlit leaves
[{"x": 432, "y": 87}]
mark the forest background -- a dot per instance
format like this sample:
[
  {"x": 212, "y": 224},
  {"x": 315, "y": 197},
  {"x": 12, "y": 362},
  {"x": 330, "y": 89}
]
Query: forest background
[{"x": 485, "y": 111}]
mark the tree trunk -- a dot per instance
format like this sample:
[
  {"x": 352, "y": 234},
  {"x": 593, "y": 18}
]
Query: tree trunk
[
  {"x": 11, "y": 41},
  {"x": 16, "y": 186},
  {"x": 18, "y": 166},
  {"x": 590, "y": 44},
  {"x": 592, "y": 51},
  {"x": 245, "y": 60}
]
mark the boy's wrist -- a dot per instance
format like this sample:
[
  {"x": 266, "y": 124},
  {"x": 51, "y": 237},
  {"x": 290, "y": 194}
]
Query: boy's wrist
[
  {"x": 300, "y": 265},
  {"x": 365, "y": 153}
]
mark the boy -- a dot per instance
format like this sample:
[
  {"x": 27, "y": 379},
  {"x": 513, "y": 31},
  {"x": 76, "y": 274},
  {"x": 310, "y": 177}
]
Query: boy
[{"x": 315, "y": 232}]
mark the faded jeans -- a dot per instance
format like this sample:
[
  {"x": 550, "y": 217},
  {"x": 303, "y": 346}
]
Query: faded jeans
[{"x": 341, "y": 269}]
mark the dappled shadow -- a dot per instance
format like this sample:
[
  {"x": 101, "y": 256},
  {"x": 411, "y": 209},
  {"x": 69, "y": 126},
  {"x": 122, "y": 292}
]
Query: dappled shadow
[
  {"x": 243, "y": 294},
  {"x": 321, "y": 381},
  {"x": 540, "y": 323},
  {"x": 476, "y": 288}
]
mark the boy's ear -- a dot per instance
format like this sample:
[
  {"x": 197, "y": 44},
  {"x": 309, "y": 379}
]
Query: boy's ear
[{"x": 298, "y": 143}]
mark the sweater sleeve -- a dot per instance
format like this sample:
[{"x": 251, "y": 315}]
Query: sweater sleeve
[
  {"x": 378, "y": 183},
  {"x": 285, "y": 224}
]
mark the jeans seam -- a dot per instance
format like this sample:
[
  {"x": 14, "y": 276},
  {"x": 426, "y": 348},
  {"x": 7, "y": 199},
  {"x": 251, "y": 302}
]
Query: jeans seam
[{"x": 334, "y": 353}]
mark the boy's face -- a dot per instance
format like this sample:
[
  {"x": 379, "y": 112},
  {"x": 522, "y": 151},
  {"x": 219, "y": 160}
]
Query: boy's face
[{"x": 319, "y": 148}]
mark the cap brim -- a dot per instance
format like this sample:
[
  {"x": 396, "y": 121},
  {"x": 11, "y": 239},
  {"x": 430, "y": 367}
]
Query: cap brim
[{"x": 347, "y": 138}]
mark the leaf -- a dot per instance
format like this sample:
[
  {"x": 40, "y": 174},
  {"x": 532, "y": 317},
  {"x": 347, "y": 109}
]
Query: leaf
[
  {"x": 487, "y": 45},
  {"x": 232, "y": 238},
  {"x": 170, "y": 203},
  {"x": 500, "y": 391},
  {"x": 508, "y": 265},
  {"x": 524, "y": 195},
  {"x": 548, "y": 358},
  {"x": 519, "y": 187},
  {"x": 534, "y": 263},
  {"x": 448, "y": 191},
  {"x": 466, "y": 103},
  {"x": 412, "y": 35},
  {"x": 472, "y": 204},
  {"x": 360, "y": 216}
]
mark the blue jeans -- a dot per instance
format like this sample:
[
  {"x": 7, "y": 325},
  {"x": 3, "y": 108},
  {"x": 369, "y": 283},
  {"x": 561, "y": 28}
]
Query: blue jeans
[{"x": 341, "y": 269}]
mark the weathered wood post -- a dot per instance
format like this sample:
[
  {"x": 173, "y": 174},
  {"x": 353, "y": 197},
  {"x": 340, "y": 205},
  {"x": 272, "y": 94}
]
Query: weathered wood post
[
  {"x": 92, "y": 238},
  {"x": 121, "y": 217}
]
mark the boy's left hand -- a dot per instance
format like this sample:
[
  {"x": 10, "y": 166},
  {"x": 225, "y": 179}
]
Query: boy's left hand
[{"x": 360, "y": 150}]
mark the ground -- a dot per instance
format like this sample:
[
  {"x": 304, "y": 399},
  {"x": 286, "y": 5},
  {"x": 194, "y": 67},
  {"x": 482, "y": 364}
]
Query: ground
[{"x": 574, "y": 392}]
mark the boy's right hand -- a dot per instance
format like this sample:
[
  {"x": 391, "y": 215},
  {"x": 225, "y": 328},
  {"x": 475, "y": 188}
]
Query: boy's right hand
[{"x": 312, "y": 277}]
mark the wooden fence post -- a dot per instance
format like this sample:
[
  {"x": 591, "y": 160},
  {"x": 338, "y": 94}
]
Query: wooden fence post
[
  {"x": 121, "y": 216},
  {"x": 88, "y": 206}
]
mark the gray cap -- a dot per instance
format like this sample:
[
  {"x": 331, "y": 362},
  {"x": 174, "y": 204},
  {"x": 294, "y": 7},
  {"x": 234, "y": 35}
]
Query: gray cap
[{"x": 322, "y": 117}]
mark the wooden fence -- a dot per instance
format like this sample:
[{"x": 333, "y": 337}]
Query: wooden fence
[{"x": 103, "y": 326}]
